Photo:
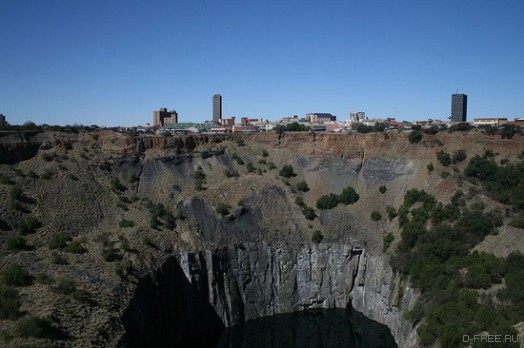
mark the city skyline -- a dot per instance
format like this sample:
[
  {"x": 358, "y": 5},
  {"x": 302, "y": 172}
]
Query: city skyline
[{"x": 112, "y": 63}]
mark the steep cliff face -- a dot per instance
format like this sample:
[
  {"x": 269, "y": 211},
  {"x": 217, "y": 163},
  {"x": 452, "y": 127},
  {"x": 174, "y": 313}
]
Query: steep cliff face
[
  {"x": 197, "y": 292},
  {"x": 241, "y": 283}
]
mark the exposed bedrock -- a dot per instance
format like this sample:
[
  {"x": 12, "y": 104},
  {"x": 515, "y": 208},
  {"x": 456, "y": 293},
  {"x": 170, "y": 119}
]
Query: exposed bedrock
[{"x": 197, "y": 292}]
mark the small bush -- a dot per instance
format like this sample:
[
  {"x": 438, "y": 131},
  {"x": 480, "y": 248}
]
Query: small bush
[
  {"x": 122, "y": 206},
  {"x": 250, "y": 167},
  {"x": 28, "y": 225},
  {"x": 287, "y": 171},
  {"x": 239, "y": 160},
  {"x": 44, "y": 278},
  {"x": 126, "y": 223},
  {"x": 300, "y": 202},
  {"x": 271, "y": 166},
  {"x": 16, "y": 193},
  {"x": 382, "y": 189},
  {"x": 348, "y": 196},
  {"x": 223, "y": 209},
  {"x": 4, "y": 179},
  {"x": 387, "y": 240},
  {"x": 376, "y": 216},
  {"x": 72, "y": 177},
  {"x": 47, "y": 157},
  {"x": 48, "y": 174},
  {"x": 302, "y": 186},
  {"x": 65, "y": 286},
  {"x": 9, "y": 303},
  {"x": 58, "y": 241},
  {"x": 75, "y": 248},
  {"x": 31, "y": 174},
  {"x": 518, "y": 223},
  {"x": 309, "y": 213},
  {"x": 36, "y": 327},
  {"x": 81, "y": 295},
  {"x": 265, "y": 153},
  {"x": 17, "y": 243},
  {"x": 327, "y": 201},
  {"x": 430, "y": 167},
  {"x": 415, "y": 136},
  {"x": 317, "y": 236},
  {"x": 458, "y": 156},
  {"x": 110, "y": 255},
  {"x": 117, "y": 186},
  {"x": 444, "y": 158},
  {"x": 58, "y": 259},
  {"x": 16, "y": 275},
  {"x": 392, "y": 212},
  {"x": 231, "y": 173}
]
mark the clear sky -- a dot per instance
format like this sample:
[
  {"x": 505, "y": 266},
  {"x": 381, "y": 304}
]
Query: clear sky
[{"x": 112, "y": 62}]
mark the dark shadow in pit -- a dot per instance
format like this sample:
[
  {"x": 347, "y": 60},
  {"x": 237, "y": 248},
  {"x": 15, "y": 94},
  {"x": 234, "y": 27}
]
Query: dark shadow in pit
[
  {"x": 316, "y": 328},
  {"x": 167, "y": 310}
]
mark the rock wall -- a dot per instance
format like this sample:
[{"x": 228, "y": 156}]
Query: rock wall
[{"x": 257, "y": 280}]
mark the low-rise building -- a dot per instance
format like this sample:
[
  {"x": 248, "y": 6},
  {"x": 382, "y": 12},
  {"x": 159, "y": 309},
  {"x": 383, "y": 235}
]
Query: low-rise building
[
  {"x": 162, "y": 116},
  {"x": 492, "y": 121}
]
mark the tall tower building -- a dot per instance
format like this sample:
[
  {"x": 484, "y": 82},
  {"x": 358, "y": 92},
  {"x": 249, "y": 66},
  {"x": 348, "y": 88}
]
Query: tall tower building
[
  {"x": 217, "y": 108},
  {"x": 459, "y": 107}
]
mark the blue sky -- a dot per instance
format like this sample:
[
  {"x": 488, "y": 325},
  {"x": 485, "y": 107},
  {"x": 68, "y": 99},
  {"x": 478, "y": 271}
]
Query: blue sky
[{"x": 112, "y": 62}]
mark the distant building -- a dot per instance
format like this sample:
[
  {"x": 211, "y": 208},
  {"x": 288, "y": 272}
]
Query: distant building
[
  {"x": 2, "y": 120},
  {"x": 357, "y": 116},
  {"x": 320, "y": 117},
  {"x": 163, "y": 116},
  {"x": 217, "y": 108},
  {"x": 459, "y": 107},
  {"x": 490, "y": 121},
  {"x": 227, "y": 122}
]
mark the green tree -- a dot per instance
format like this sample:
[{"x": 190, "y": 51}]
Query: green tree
[
  {"x": 415, "y": 136},
  {"x": 317, "y": 236},
  {"x": 302, "y": 186},
  {"x": 376, "y": 216},
  {"x": 328, "y": 201},
  {"x": 348, "y": 196},
  {"x": 444, "y": 158},
  {"x": 287, "y": 171}
]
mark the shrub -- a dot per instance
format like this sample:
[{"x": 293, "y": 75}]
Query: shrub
[
  {"x": 265, "y": 153},
  {"x": 231, "y": 173},
  {"x": 17, "y": 243},
  {"x": 16, "y": 193},
  {"x": 32, "y": 175},
  {"x": 239, "y": 160},
  {"x": 430, "y": 167},
  {"x": 75, "y": 248},
  {"x": 300, "y": 202},
  {"x": 302, "y": 186},
  {"x": 36, "y": 327},
  {"x": 328, "y": 201},
  {"x": 43, "y": 278},
  {"x": 271, "y": 166},
  {"x": 16, "y": 275},
  {"x": 58, "y": 259},
  {"x": 382, "y": 189},
  {"x": 81, "y": 295},
  {"x": 126, "y": 223},
  {"x": 462, "y": 127},
  {"x": 9, "y": 303},
  {"x": 317, "y": 236},
  {"x": 348, "y": 196},
  {"x": 376, "y": 216},
  {"x": 65, "y": 286},
  {"x": 387, "y": 240},
  {"x": 29, "y": 225},
  {"x": 518, "y": 223},
  {"x": 122, "y": 206},
  {"x": 459, "y": 156},
  {"x": 4, "y": 179},
  {"x": 287, "y": 171},
  {"x": 47, "y": 157},
  {"x": 110, "y": 255},
  {"x": 415, "y": 136},
  {"x": 117, "y": 186},
  {"x": 444, "y": 158},
  {"x": 58, "y": 241},
  {"x": 507, "y": 131},
  {"x": 250, "y": 167},
  {"x": 223, "y": 209},
  {"x": 309, "y": 213},
  {"x": 72, "y": 177},
  {"x": 392, "y": 212},
  {"x": 48, "y": 174}
]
